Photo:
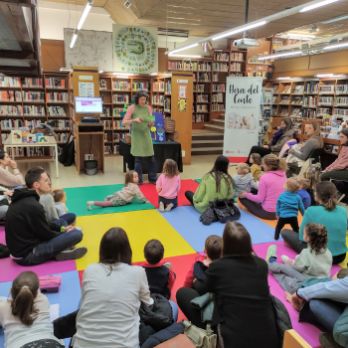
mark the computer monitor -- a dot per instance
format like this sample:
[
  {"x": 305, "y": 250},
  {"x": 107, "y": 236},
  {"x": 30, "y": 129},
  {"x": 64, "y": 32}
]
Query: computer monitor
[{"x": 88, "y": 105}]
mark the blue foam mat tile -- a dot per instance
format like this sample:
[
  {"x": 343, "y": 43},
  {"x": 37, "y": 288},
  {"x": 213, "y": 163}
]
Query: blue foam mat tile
[
  {"x": 68, "y": 296},
  {"x": 186, "y": 222}
]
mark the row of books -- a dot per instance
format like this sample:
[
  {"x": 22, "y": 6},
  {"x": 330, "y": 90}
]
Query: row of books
[
  {"x": 7, "y": 81},
  {"x": 203, "y": 77},
  {"x": 235, "y": 67},
  {"x": 157, "y": 99},
  {"x": 33, "y": 82},
  {"x": 324, "y": 111},
  {"x": 168, "y": 87},
  {"x": 219, "y": 87},
  {"x": 237, "y": 56},
  {"x": 200, "y": 118},
  {"x": 32, "y": 151},
  {"x": 55, "y": 111},
  {"x": 218, "y": 98},
  {"x": 202, "y": 108},
  {"x": 342, "y": 89},
  {"x": 199, "y": 88},
  {"x": 325, "y": 100},
  {"x": 189, "y": 66},
  {"x": 310, "y": 101},
  {"x": 324, "y": 89},
  {"x": 120, "y": 98},
  {"x": 222, "y": 57},
  {"x": 55, "y": 82},
  {"x": 34, "y": 110},
  {"x": 217, "y": 107},
  {"x": 59, "y": 97},
  {"x": 341, "y": 101},
  {"x": 61, "y": 124},
  {"x": 221, "y": 67},
  {"x": 158, "y": 86},
  {"x": 112, "y": 124},
  {"x": 202, "y": 98},
  {"x": 340, "y": 112}
]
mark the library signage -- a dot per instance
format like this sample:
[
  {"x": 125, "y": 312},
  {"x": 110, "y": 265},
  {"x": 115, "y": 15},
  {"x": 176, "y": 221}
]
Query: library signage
[{"x": 242, "y": 116}]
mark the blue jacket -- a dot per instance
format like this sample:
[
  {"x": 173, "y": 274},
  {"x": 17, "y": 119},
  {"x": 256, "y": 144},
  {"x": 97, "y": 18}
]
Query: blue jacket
[
  {"x": 288, "y": 205},
  {"x": 306, "y": 198}
]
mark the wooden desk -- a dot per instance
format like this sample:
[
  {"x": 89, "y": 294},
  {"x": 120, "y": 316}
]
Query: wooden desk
[{"x": 51, "y": 142}]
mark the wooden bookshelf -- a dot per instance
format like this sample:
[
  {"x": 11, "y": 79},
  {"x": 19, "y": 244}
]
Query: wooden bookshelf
[{"x": 30, "y": 101}]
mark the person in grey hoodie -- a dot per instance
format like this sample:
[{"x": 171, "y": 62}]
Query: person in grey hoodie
[{"x": 243, "y": 180}]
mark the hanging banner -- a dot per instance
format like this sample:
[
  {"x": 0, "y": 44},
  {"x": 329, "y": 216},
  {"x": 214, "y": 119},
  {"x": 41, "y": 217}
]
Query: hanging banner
[
  {"x": 242, "y": 116},
  {"x": 135, "y": 49}
]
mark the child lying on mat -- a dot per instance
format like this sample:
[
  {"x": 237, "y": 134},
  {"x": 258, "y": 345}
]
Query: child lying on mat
[
  {"x": 315, "y": 261},
  {"x": 128, "y": 194}
]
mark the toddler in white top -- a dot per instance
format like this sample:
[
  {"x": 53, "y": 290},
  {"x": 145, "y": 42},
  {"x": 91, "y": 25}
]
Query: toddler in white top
[{"x": 59, "y": 197}]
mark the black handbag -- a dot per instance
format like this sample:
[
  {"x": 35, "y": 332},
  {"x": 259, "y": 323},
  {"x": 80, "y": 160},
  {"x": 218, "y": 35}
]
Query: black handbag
[
  {"x": 208, "y": 216},
  {"x": 225, "y": 210}
]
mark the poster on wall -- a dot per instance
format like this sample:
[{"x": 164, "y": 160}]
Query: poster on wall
[
  {"x": 242, "y": 116},
  {"x": 135, "y": 49}
]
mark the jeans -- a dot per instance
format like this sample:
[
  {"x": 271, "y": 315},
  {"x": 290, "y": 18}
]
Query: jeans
[
  {"x": 257, "y": 210},
  {"x": 282, "y": 222},
  {"x": 175, "y": 310},
  {"x": 138, "y": 167},
  {"x": 48, "y": 250},
  {"x": 65, "y": 220},
  {"x": 167, "y": 201}
]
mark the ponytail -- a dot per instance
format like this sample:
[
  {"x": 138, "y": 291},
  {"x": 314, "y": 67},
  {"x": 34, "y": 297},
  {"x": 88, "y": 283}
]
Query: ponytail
[
  {"x": 24, "y": 291},
  {"x": 274, "y": 163},
  {"x": 326, "y": 195}
]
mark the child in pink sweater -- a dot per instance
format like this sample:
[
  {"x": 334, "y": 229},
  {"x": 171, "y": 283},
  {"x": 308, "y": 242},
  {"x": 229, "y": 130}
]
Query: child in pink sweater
[{"x": 168, "y": 186}]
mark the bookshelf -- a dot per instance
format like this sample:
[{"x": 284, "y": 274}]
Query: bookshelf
[{"x": 30, "y": 101}]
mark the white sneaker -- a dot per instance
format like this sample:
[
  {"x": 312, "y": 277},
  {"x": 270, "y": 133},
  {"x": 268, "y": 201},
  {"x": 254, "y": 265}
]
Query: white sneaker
[
  {"x": 89, "y": 205},
  {"x": 169, "y": 207},
  {"x": 161, "y": 207}
]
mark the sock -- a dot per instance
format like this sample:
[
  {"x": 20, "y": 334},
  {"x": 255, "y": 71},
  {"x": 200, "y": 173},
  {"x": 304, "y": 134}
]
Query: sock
[{"x": 271, "y": 255}]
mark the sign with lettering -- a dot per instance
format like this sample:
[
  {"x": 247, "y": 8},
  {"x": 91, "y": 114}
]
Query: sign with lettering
[{"x": 242, "y": 115}]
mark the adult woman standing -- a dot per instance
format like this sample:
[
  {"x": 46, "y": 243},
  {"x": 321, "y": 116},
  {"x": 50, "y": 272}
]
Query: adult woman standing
[
  {"x": 243, "y": 310},
  {"x": 271, "y": 185},
  {"x": 327, "y": 213},
  {"x": 111, "y": 294},
  {"x": 338, "y": 170},
  {"x": 217, "y": 184},
  {"x": 284, "y": 133},
  {"x": 139, "y": 118}
]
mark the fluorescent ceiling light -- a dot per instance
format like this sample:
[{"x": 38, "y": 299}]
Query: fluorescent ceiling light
[
  {"x": 317, "y": 5},
  {"x": 184, "y": 48},
  {"x": 281, "y": 55},
  {"x": 335, "y": 19},
  {"x": 336, "y": 46},
  {"x": 329, "y": 75},
  {"x": 284, "y": 78},
  {"x": 184, "y": 55},
  {"x": 73, "y": 40},
  {"x": 120, "y": 74},
  {"x": 84, "y": 15},
  {"x": 298, "y": 36},
  {"x": 239, "y": 30}
]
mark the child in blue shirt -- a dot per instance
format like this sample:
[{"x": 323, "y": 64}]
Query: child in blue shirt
[
  {"x": 288, "y": 205},
  {"x": 303, "y": 193}
]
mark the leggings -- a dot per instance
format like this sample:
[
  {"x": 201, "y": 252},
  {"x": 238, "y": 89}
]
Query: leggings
[
  {"x": 189, "y": 196},
  {"x": 257, "y": 210}
]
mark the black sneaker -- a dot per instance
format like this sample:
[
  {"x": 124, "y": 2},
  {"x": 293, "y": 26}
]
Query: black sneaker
[
  {"x": 326, "y": 341},
  {"x": 71, "y": 254}
]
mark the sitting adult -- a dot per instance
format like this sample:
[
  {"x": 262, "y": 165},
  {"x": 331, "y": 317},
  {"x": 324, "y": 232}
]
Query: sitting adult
[
  {"x": 328, "y": 214},
  {"x": 10, "y": 177},
  {"x": 217, "y": 184},
  {"x": 338, "y": 170},
  {"x": 112, "y": 291},
  {"x": 284, "y": 133},
  {"x": 29, "y": 237},
  {"x": 299, "y": 153},
  {"x": 271, "y": 185},
  {"x": 243, "y": 309}
]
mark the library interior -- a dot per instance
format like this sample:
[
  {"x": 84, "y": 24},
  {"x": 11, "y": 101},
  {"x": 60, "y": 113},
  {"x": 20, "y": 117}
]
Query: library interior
[{"x": 124, "y": 122}]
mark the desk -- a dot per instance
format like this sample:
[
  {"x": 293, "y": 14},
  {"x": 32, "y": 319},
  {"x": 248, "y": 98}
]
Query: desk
[
  {"x": 168, "y": 149},
  {"x": 51, "y": 143}
]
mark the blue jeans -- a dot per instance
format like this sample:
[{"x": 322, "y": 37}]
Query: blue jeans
[
  {"x": 138, "y": 167},
  {"x": 167, "y": 201},
  {"x": 47, "y": 251},
  {"x": 175, "y": 310},
  {"x": 65, "y": 220}
]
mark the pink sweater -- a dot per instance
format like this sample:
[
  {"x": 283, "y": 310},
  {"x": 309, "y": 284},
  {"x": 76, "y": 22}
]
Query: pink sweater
[
  {"x": 271, "y": 185},
  {"x": 168, "y": 187},
  {"x": 341, "y": 161}
]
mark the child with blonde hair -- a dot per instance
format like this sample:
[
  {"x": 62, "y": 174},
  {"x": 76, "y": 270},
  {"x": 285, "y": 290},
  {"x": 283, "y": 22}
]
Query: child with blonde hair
[
  {"x": 168, "y": 186},
  {"x": 288, "y": 205},
  {"x": 128, "y": 194},
  {"x": 255, "y": 168},
  {"x": 243, "y": 180}
]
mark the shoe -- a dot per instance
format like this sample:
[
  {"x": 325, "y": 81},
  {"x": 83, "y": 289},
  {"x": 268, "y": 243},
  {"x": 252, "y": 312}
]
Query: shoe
[
  {"x": 89, "y": 205},
  {"x": 326, "y": 341},
  {"x": 169, "y": 207},
  {"x": 271, "y": 255},
  {"x": 285, "y": 259},
  {"x": 71, "y": 254},
  {"x": 161, "y": 207},
  {"x": 168, "y": 264}
]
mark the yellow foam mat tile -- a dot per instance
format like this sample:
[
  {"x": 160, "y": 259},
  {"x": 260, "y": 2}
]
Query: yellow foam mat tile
[{"x": 140, "y": 226}]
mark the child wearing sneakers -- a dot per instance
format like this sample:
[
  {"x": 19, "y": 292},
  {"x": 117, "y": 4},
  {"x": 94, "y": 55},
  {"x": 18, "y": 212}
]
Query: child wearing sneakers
[
  {"x": 159, "y": 274},
  {"x": 288, "y": 205},
  {"x": 313, "y": 261},
  {"x": 127, "y": 195},
  {"x": 212, "y": 251},
  {"x": 168, "y": 186}
]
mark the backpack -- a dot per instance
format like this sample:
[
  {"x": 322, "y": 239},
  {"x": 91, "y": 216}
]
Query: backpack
[{"x": 67, "y": 156}]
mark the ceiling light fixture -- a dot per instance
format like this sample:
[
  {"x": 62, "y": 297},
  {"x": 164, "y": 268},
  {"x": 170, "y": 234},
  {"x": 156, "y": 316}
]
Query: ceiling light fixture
[
  {"x": 301, "y": 37},
  {"x": 84, "y": 15},
  {"x": 336, "y": 46},
  {"x": 317, "y": 5},
  {"x": 284, "y": 78},
  {"x": 323, "y": 76},
  {"x": 335, "y": 19},
  {"x": 281, "y": 55},
  {"x": 184, "y": 48},
  {"x": 73, "y": 40},
  {"x": 239, "y": 30}
]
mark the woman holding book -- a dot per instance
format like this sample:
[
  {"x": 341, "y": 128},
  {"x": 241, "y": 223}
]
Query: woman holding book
[{"x": 139, "y": 118}]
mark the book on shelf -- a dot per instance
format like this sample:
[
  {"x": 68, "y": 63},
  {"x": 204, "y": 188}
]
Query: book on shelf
[
  {"x": 57, "y": 97},
  {"x": 324, "y": 111},
  {"x": 341, "y": 101},
  {"x": 203, "y": 77},
  {"x": 218, "y": 98},
  {"x": 220, "y": 67},
  {"x": 158, "y": 86},
  {"x": 168, "y": 87},
  {"x": 201, "y": 108},
  {"x": 120, "y": 98},
  {"x": 216, "y": 88},
  {"x": 222, "y": 56},
  {"x": 10, "y": 96},
  {"x": 157, "y": 99},
  {"x": 34, "y": 110},
  {"x": 311, "y": 87},
  {"x": 310, "y": 101},
  {"x": 235, "y": 67},
  {"x": 11, "y": 110},
  {"x": 55, "y": 82},
  {"x": 178, "y": 65},
  {"x": 106, "y": 111},
  {"x": 341, "y": 112},
  {"x": 298, "y": 89},
  {"x": 140, "y": 86},
  {"x": 10, "y": 82},
  {"x": 285, "y": 100},
  {"x": 116, "y": 111},
  {"x": 309, "y": 113},
  {"x": 29, "y": 96},
  {"x": 237, "y": 56},
  {"x": 103, "y": 84},
  {"x": 341, "y": 88},
  {"x": 324, "y": 100},
  {"x": 167, "y": 103},
  {"x": 202, "y": 98},
  {"x": 32, "y": 82},
  {"x": 199, "y": 118},
  {"x": 54, "y": 111},
  {"x": 326, "y": 89},
  {"x": 121, "y": 85},
  {"x": 217, "y": 107},
  {"x": 296, "y": 101}
]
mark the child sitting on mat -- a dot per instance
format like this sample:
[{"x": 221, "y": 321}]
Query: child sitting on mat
[
  {"x": 303, "y": 193},
  {"x": 212, "y": 251},
  {"x": 255, "y": 168},
  {"x": 59, "y": 197},
  {"x": 168, "y": 186},
  {"x": 243, "y": 180},
  {"x": 159, "y": 274},
  {"x": 288, "y": 205},
  {"x": 313, "y": 261},
  {"x": 128, "y": 194}
]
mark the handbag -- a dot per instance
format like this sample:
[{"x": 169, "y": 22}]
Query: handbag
[
  {"x": 225, "y": 210},
  {"x": 208, "y": 216},
  {"x": 201, "y": 338},
  {"x": 50, "y": 283}
]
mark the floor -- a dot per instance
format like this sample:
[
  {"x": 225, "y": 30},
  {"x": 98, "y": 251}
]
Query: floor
[{"x": 180, "y": 231}]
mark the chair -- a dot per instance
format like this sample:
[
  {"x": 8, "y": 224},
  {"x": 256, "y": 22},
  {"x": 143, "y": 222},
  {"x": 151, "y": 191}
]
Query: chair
[
  {"x": 293, "y": 340},
  {"x": 315, "y": 155}
]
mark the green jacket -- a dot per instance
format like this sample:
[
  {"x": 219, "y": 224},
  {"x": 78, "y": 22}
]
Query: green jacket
[{"x": 206, "y": 191}]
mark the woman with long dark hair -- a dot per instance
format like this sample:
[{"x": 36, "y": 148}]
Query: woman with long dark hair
[
  {"x": 328, "y": 214},
  {"x": 217, "y": 184},
  {"x": 112, "y": 291},
  {"x": 139, "y": 118}
]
